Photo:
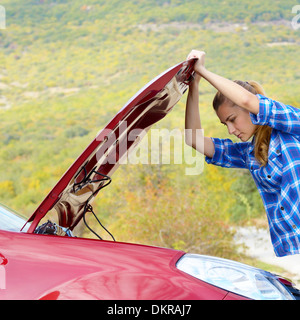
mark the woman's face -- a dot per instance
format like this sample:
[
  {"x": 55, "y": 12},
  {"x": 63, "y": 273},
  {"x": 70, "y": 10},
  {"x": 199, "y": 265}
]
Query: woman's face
[{"x": 237, "y": 120}]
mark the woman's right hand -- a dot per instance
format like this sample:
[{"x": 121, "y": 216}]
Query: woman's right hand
[{"x": 197, "y": 78}]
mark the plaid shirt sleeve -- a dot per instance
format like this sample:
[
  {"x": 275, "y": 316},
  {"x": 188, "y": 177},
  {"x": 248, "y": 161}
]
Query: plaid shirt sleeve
[
  {"x": 228, "y": 154},
  {"x": 277, "y": 115}
]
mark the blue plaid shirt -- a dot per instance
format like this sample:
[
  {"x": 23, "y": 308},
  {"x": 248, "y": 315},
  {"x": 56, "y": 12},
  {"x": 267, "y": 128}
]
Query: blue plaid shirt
[{"x": 279, "y": 181}]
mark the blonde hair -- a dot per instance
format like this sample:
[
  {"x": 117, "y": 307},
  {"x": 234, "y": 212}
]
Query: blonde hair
[{"x": 262, "y": 134}]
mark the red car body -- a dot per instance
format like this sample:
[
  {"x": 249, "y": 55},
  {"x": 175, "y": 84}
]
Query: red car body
[
  {"x": 52, "y": 267},
  {"x": 45, "y": 266}
]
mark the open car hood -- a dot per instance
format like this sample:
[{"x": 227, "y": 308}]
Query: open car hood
[{"x": 90, "y": 172}]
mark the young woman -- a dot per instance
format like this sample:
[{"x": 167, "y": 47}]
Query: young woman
[{"x": 270, "y": 147}]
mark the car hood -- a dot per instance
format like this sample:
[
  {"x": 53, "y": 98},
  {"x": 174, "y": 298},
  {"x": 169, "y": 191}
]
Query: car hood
[{"x": 91, "y": 171}]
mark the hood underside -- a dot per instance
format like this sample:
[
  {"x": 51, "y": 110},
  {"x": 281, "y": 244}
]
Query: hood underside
[{"x": 91, "y": 171}]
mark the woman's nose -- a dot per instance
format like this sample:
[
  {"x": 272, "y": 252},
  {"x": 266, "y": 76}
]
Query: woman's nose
[{"x": 231, "y": 128}]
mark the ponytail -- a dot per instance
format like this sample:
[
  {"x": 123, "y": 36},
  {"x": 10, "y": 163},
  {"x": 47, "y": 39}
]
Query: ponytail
[{"x": 262, "y": 133}]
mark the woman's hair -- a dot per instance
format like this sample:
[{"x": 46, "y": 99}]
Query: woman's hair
[{"x": 262, "y": 133}]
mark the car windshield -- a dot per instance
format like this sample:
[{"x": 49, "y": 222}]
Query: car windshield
[{"x": 9, "y": 220}]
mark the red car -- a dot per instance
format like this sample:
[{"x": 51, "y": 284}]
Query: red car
[{"x": 43, "y": 260}]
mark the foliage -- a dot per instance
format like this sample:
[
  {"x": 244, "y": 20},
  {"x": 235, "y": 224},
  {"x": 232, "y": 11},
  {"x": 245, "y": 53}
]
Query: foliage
[
  {"x": 152, "y": 216},
  {"x": 155, "y": 209}
]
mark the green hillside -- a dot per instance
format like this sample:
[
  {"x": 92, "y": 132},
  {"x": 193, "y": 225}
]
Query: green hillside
[{"x": 67, "y": 66}]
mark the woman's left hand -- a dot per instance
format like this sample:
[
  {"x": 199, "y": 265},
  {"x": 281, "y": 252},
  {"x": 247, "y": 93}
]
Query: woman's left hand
[{"x": 200, "y": 55}]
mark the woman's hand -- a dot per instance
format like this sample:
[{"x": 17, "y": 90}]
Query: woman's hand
[
  {"x": 199, "y": 65},
  {"x": 234, "y": 92}
]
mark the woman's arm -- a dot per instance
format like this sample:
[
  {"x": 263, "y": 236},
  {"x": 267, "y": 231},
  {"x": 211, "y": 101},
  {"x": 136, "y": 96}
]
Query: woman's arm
[
  {"x": 277, "y": 115},
  {"x": 234, "y": 92},
  {"x": 194, "y": 135}
]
